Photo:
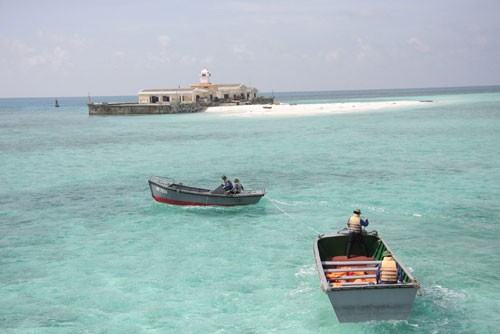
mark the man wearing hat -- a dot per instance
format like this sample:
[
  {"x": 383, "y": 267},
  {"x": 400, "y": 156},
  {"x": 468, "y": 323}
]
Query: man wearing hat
[
  {"x": 354, "y": 224},
  {"x": 389, "y": 272}
]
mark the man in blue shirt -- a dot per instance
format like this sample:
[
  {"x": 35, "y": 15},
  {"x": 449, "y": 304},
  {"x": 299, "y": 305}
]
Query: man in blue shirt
[
  {"x": 227, "y": 183},
  {"x": 354, "y": 224}
]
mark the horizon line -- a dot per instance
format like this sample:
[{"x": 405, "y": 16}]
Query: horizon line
[{"x": 271, "y": 92}]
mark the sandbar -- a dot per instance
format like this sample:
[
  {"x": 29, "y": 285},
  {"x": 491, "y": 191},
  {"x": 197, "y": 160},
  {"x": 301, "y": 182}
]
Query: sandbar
[{"x": 285, "y": 109}]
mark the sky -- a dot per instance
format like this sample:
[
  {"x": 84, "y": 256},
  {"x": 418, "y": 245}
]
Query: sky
[{"x": 57, "y": 48}]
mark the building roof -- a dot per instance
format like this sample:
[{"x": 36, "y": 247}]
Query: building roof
[
  {"x": 197, "y": 88},
  {"x": 165, "y": 90},
  {"x": 231, "y": 85}
]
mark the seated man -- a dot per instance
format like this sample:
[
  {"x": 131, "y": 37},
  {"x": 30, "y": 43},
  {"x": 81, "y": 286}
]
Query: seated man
[
  {"x": 389, "y": 272},
  {"x": 237, "y": 187},
  {"x": 227, "y": 183}
]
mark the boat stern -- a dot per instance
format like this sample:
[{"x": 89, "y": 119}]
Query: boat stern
[{"x": 360, "y": 304}]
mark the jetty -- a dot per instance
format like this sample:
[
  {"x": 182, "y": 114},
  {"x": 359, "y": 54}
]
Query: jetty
[{"x": 131, "y": 108}]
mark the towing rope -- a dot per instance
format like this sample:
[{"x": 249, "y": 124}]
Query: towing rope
[{"x": 290, "y": 216}]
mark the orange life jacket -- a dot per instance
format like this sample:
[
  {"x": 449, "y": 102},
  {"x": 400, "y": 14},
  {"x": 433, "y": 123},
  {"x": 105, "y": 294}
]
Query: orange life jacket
[{"x": 335, "y": 275}]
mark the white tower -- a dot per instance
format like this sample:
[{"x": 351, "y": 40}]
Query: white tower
[{"x": 205, "y": 77}]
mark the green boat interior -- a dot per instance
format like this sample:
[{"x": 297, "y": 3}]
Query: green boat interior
[{"x": 357, "y": 269}]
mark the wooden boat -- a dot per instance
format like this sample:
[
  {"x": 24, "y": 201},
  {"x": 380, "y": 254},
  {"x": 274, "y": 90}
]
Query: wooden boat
[
  {"x": 168, "y": 192},
  {"x": 350, "y": 282}
]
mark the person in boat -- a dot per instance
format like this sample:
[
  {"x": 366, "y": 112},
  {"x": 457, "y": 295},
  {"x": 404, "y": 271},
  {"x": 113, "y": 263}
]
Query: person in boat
[
  {"x": 355, "y": 226},
  {"x": 237, "y": 187},
  {"x": 389, "y": 272},
  {"x": 227, "y": 183}
]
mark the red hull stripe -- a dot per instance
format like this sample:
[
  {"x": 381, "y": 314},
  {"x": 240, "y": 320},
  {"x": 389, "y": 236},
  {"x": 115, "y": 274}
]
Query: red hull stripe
[{"x": 170, "y": 201}]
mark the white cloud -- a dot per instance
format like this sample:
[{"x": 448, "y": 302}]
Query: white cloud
[
  {"x": 118, "y": 55},
  {"x": 418, "y": 45},
  {"x": 242, "y": 51},
  {"x": 187, "y": 59},
  {"x": 77, "y": 41},
  {"x": 164, "y": 41},
  {"x": 17, "y": 47},
  {"x": 50, "y": 37},
  {"x": 47, "y": 50},
  {"x": 208, "y": 60},
  {"x": 59, "y": 55},
  {"x": 365, "y": 49},
  {"x": 331, "y": 56},
  {"x": 74, "y": 40},
  {"x": 158, "y": 58},
  {"x": 35, "y": 60}
]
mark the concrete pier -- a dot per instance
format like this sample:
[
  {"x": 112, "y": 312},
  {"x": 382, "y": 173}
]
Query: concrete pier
[{"x": 143, "y": 109}]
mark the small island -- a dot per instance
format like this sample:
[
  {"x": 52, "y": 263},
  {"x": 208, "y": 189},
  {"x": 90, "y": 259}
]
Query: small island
[{"x": 196, "y": 98}]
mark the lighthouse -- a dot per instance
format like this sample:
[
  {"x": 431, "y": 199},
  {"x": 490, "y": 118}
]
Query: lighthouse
[{"x": 205, "y": 77}]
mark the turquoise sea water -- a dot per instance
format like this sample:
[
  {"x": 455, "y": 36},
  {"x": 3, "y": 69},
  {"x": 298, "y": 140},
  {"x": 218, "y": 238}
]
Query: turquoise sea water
[{"x": 85, "y": 249}]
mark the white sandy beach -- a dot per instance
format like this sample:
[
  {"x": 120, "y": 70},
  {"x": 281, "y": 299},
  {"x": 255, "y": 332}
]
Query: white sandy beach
[{"x": 284, "y": 109}]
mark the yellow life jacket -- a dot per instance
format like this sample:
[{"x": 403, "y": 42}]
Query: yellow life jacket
[
  {"x": 354, "y": 224},
  {"x": 388, "y": 270}
]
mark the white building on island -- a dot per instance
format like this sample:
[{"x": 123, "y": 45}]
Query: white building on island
[{"x": 204, "y": 91}]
